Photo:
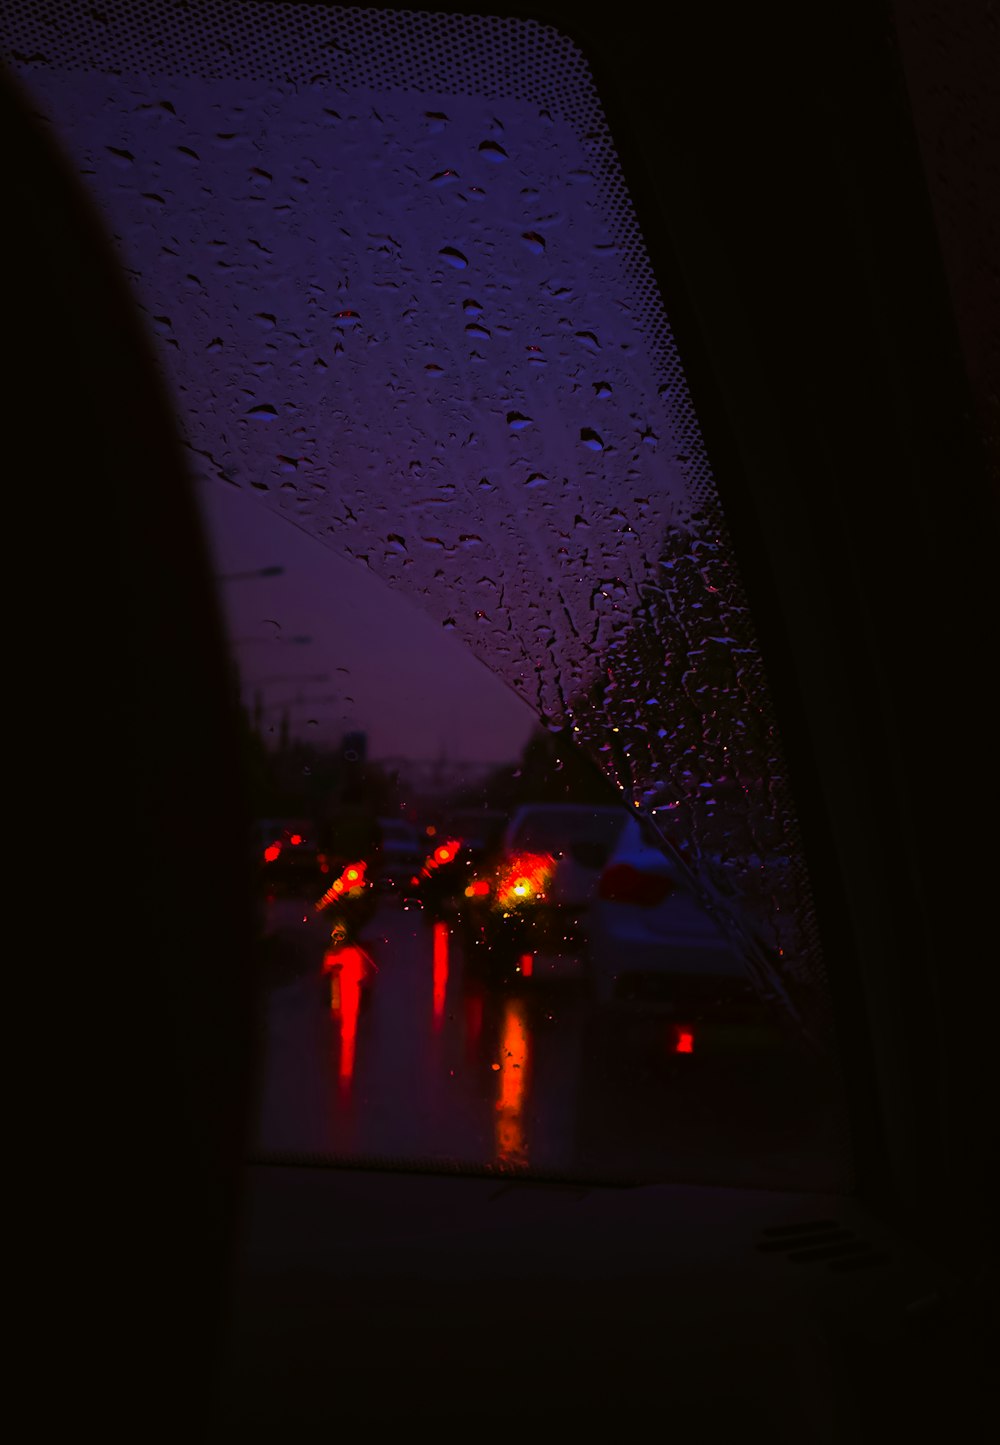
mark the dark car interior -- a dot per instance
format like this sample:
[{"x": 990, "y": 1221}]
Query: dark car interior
[{"x": 804, "y": 224}]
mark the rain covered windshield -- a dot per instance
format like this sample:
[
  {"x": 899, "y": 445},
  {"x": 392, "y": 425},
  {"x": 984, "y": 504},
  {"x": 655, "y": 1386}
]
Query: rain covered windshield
[{"x": 399, "y": 293}]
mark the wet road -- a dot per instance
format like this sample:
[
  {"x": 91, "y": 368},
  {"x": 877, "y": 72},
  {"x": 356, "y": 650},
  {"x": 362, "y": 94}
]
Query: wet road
[{"x": 414, "y": 1059}]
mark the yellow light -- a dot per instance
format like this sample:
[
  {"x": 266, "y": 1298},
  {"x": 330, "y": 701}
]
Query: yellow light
[
  {"x": 338, "y": 886},
  {"x": 352, "y": 873}
]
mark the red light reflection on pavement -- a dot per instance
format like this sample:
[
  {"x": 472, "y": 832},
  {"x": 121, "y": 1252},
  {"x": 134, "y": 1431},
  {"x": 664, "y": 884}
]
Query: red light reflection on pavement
[
  {"x": 440, "y": 970},
  {"x": 510, "y": 1142},
  {"x": 527, "y": 964},
  {"x": 347, "y": 968}
]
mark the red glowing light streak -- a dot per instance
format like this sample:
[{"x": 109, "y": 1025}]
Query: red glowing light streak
[
  {"x": 440, "y": 969},
  {"x": 348, "y": 968},
  {"x": 510, "y": 1141}
]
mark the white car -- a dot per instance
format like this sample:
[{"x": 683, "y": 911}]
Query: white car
[{"x": 650, "y": 942}]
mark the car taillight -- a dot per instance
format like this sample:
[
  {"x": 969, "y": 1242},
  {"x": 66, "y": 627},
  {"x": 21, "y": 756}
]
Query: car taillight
[{"x": 622, "y": 883}]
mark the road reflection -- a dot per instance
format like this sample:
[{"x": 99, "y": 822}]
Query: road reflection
[
  {"x": 511, "y": 1147},
  {"x": 433, "y": 1057},
  {"x": 440, "y": 971},
  {"x": 349, "y": 969}
]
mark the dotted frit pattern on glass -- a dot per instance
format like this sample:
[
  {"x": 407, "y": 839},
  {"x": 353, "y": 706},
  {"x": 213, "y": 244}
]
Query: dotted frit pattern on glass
[{"x": 402, "y": 298}]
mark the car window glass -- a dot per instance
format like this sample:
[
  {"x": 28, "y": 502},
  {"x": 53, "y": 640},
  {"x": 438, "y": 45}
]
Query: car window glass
[{"x": 392, "y": 271}]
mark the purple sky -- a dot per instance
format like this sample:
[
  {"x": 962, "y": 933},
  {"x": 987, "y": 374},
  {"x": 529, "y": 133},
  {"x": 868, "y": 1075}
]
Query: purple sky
[{"x": 415, "y": 688}]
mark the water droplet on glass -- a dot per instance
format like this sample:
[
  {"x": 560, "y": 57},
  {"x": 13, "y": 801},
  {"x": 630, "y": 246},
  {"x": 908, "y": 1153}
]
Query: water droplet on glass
[
  {"x": 475, "y": 329},
  {"x": 516, "y": 421},
  {"x": 442, "y": 178},
  {"x": 537, "y": 479},
  {"x": 449, "y": 623},
  {"x": 588, "y": 339},
  {"x": 215, "y": 344},
  {"x": 188, "y": 153},
  {"x": 348, "y": 318},
  {"x": 436, "y": 121},
  {"x": 265, "y": 412},
  {"x": 602, "y": 390},
  {"x": 122, "y": 155},
  {"x": 263, "y": 176},
  {"x": 591, "y": 439},
  {"x": 491, "y": 150},
  {"x": 454, "y": 257},
  {"x": 534, "y": 242},
  {"x": 267, "y": 320},
  {"x": 471, "y": 307}
]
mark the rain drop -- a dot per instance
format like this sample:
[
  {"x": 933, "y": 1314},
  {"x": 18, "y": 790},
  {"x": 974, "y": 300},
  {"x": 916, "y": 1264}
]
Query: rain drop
[
  {"x": 454, "y": 257},
  {"x": 442, "y": 178},
  {"x": 602, "y": 390},
  {"x": 516, "y": 421},
  {"x": 588, "y": 339},
  {"x": 534, "y": 242},
  {"x": 591, "y": 439},
  {"x": 265, "y": 412},
  {"x": 491, "y": 150}
]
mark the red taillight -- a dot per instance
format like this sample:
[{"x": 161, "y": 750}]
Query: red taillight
[
  {"x": 621, "y": 883},
  {"x": 683, "y": 1041},
  {"x": 295, "y": 839},
  {"x": 272, "y": 852}
]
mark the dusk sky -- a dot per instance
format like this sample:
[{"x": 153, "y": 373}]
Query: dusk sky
[
  {"x": 417, "y": 359},
  {"x": 415, "y": 688}
]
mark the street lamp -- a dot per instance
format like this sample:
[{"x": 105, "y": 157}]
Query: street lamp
[
  {"x": 301, "y": 677},
  {"x": 248, "y": 641},
  {"x": 301, "y": 702},
  {"x": 272, "y": 571}
]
